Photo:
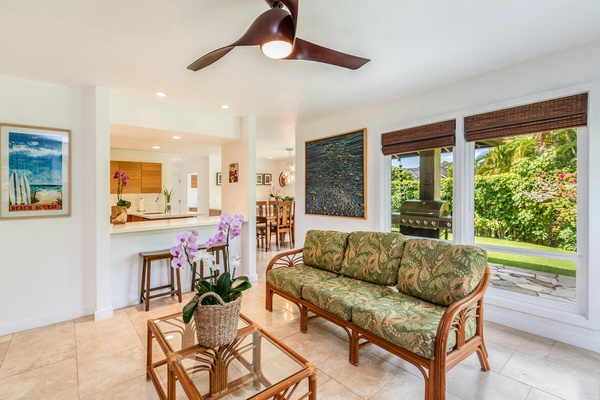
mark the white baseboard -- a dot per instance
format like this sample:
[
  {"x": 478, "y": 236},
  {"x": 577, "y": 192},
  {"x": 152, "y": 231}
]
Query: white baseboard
[
  {"x": 44, "y": 320},
  {"x": 567, "y": 333}
]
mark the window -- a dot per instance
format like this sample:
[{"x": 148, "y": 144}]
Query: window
[
  {"x": 526, "y": 212},
  {"x": 421, "y": 179}
]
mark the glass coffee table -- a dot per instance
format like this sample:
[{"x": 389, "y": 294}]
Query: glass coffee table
[{"x": 255, "y": 365}]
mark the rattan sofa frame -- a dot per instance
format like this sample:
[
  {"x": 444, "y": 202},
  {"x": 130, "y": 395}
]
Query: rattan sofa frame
[{"x": 433, "y": 370}]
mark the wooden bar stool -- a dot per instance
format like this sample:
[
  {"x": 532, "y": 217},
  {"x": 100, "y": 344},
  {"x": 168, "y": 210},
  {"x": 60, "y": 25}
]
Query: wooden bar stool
[
  {"x": 219, "y": 251},
  {"x": 147, "y": 258}
]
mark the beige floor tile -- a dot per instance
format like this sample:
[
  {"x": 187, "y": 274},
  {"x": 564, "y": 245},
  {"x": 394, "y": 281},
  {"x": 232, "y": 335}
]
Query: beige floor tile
[
  {"x": 518, "y": 340},
  {"x": 69, "y": 394},
  {"x": 41, "y": 382},
  {"x": 3, "y": 350},
  {"x": 135, "y": 389},
  {"x": 86, "y": 328},
  {"x": 316, "y": 345},
  {"x": 39, "y": 347},
  {"x": 100, "y": 375},
  {"x": 97, "y": 347},
  {"x": 550, "y": 377},
  {"x": 498, "y": 356},
  {"x": 405, "y": 386},
  {"x": 366, "y": 379},
  {"x": 6, "y": 338},
  {"x": 333, "y": 390},
  {"x": 328, "y": 326},
  {"x": 469, "y": 382},
  {"x": 575, "y": 357},
  {"x": 391, "y": 358},
  {"x": 536, "y": 394}
]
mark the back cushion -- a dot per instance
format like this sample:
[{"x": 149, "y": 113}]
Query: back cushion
[
  {"x": 440, "y": 272},
  {"x": 374, "y": 257},
  {"x": 325, "y": 249}
]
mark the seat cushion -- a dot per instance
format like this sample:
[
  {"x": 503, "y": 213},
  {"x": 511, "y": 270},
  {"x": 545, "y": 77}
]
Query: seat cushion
[
  {"x": 440, "y": 272},
  {"x": 406, "y": 321},
  {"x": 291, "y": 279},
  {"x": 339, "y": 295},
  {"x": 374, "y": 257},
  {"x": 325, "y": 249}
]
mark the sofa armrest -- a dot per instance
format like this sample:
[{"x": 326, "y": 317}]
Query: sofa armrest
[
  {"x": 458, "y": 314},
  {"x": 287, "y": 259}
]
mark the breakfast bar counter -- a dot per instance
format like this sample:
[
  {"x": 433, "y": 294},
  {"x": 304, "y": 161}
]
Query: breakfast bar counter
[{"x": 129, "y": 239}]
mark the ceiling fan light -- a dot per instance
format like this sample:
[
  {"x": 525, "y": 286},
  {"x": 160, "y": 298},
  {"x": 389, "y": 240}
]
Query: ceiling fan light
[{"x": 276, "y": 49}]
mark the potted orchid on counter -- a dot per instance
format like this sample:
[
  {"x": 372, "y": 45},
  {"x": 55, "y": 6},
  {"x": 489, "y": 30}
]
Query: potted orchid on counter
[{"x": 226, "y": 286}]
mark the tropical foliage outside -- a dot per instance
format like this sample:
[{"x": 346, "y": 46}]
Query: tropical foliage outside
[{"x": 525, "y": 189}]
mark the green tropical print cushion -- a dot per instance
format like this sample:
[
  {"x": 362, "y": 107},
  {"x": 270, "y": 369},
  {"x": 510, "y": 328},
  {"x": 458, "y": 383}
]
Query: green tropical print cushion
[
  {"x": 339, "y": 295},
  {"x": 291, "y": 279},
  {"x": 406, "y": 321},
  {"x": 440, "y": 272},
  {"x": 374, "y": 257},
  {"x": 325, "y": 249}
]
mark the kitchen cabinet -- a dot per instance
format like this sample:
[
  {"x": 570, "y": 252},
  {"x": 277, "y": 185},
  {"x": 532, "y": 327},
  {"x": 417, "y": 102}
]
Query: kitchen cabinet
[
  {"x": 143, "y": 177},
  {"x": 151, "y": 178}
]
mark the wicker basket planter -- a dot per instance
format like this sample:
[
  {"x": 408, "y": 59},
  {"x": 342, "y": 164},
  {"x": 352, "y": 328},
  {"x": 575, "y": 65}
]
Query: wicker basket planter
[{"x": 217, "y": 325}]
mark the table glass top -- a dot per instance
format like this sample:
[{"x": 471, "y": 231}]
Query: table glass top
[
  {"x": 240, "y": 370},
  {"x": 180, "y": 335}
]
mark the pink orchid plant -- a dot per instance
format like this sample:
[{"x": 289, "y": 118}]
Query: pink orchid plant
[
  {"x": 123, "y": 178},
  {"x": 187, "y": 251}
]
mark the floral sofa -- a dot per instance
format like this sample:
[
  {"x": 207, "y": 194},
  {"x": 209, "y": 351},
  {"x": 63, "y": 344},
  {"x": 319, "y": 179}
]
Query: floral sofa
[{"x": 420, "y": 299}]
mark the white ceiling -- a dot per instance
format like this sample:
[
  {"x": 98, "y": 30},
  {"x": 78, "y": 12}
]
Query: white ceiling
[{"x": 138, "y": 47}]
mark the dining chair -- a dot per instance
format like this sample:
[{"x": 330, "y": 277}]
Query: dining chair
[
  {"x": 261, "y": 226},
  {"x": 283, "y": 222}
]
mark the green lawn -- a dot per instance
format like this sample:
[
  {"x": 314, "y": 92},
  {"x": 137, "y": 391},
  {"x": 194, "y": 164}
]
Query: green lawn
[{"x": 542, "y": 264}]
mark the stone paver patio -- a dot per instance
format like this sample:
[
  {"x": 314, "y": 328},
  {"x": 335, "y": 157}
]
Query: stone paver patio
[{"x": 533, "y": 283}]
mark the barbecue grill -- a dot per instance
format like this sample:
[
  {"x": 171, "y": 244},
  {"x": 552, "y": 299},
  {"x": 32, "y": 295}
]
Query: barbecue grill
[{"x": 423, "y": 218}]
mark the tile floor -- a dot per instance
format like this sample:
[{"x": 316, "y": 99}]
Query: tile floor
[{"x": 92, "y": 360}]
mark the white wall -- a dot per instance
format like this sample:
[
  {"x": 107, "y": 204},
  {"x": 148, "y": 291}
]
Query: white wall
[
  {"x": 43, "y": 264},
  {"x": 214, "y": 190},
  {"x": 273, "y": 167},
  {"x": 568, "y": 72}
]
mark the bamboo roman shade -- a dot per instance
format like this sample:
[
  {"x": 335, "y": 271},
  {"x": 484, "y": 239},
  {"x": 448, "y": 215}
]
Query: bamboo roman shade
[
  {"x": 425, "y": 137},
  {"x": 566, "y": 112}
]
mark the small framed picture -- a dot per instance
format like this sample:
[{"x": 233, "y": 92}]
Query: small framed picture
[
  {"x": 233, "y": 172},
  {"x": 218, "y": 179},
  {"x": 267, "y": 178},
  {"x": 259, "y": 179}
]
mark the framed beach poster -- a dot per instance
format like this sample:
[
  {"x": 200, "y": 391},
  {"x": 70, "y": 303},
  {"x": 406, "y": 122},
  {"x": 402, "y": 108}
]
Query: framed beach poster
[
  {"x": 336, "y": 175},
  {"x": 35, "y": 173}
]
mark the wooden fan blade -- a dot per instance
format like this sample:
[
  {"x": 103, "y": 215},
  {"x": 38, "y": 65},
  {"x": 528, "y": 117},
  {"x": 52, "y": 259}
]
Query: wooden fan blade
[
  {"x": 210, "y": 58},
  {"x": 304, "y": 50},
  {"x": 271, "y": 24}
]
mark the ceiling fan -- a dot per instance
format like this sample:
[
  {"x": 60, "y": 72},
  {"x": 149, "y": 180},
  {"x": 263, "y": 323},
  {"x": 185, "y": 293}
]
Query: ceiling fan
[{"x": 275, "y": 32}]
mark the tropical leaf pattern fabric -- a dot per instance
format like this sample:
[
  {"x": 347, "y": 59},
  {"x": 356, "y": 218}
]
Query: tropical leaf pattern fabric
[
  {"x": 291, "y": 279},
  {"x": 440, "y": 272},
  {"x": 325, "y": 249},
  {"x": 406, "y": 321},
  {"x": 339, "y": 295},
  {"x": 374, "y": 257}
]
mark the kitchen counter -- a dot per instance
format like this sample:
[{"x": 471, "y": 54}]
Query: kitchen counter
[
  {"x": 157, "y": 215},
  {"x": 182, "y": 222}
]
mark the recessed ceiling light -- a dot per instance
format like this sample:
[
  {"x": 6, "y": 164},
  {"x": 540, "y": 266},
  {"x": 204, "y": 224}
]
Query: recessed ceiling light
[
  {"x": 224, "y": 106},
  {"x": 156, "y": 147},
  {"x": 176, "y": 137},
  {"x": 161, "y": 94}
]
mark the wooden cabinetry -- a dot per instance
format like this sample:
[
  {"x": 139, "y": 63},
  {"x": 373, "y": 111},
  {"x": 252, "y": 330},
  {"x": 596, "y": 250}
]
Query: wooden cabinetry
[
  {"x": 151, "y": 178},
  {"x": 143, "y": 177}
]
